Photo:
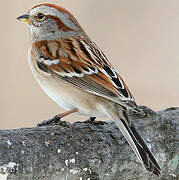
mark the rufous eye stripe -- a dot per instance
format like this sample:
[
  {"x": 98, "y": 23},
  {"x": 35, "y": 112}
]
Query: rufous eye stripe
[{"x": 61, "y": 25}]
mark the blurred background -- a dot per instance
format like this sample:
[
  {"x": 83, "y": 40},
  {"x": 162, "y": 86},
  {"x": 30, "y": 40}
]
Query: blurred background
[{"x": 140, "y": 38}]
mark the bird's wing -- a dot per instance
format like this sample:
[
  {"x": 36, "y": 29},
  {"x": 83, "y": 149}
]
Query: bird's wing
[{"x": 81, "y": 63}]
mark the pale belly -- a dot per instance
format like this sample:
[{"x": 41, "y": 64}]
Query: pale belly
[{"x": 69, "y": 97}]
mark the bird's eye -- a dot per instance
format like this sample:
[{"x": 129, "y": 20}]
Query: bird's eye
[{"x": 40, "y": 16}]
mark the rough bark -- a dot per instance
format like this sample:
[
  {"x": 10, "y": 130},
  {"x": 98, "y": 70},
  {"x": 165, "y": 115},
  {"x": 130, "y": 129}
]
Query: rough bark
[{"x": 89, "y": 151}]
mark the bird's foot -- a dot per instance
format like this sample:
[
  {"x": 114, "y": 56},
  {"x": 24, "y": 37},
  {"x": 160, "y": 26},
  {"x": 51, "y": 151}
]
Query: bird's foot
[
  {"x": 92, "y": 121},
  {"x": 51, "y": 121},
  {"x": 56, "y": 119}
]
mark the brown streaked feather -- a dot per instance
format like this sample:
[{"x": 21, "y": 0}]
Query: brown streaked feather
[
  {"x": 75, "y": 56},
  {"x": 103, "y": 81}
]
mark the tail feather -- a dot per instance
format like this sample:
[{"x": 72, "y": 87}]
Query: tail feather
[
  {"x": 137, "y": 144},
  {"x": 148, "y": 158}
]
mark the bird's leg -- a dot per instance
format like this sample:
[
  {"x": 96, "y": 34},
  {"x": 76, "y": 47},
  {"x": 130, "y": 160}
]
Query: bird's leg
[{"x": 57, "y": 117}]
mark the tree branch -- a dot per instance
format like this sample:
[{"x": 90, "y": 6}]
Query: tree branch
[{"x": 88, "y": 151}]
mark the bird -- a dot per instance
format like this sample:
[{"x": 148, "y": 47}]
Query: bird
[{"x": 75, "y": 73}]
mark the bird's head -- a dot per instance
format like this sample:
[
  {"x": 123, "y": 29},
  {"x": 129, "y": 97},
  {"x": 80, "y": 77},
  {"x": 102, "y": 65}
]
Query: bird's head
[{"x": 48, "y": 21}]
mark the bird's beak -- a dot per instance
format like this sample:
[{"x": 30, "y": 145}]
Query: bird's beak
[{"x": 24, "y": 18}]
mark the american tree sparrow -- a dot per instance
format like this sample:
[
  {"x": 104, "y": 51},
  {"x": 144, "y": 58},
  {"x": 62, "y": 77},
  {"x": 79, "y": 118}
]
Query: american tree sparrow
[{"x": 76, "y": 74}]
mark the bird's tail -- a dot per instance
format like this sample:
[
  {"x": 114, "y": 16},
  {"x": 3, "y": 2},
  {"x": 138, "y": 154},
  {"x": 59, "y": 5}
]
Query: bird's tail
[{"x": 136, "y": 142}]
